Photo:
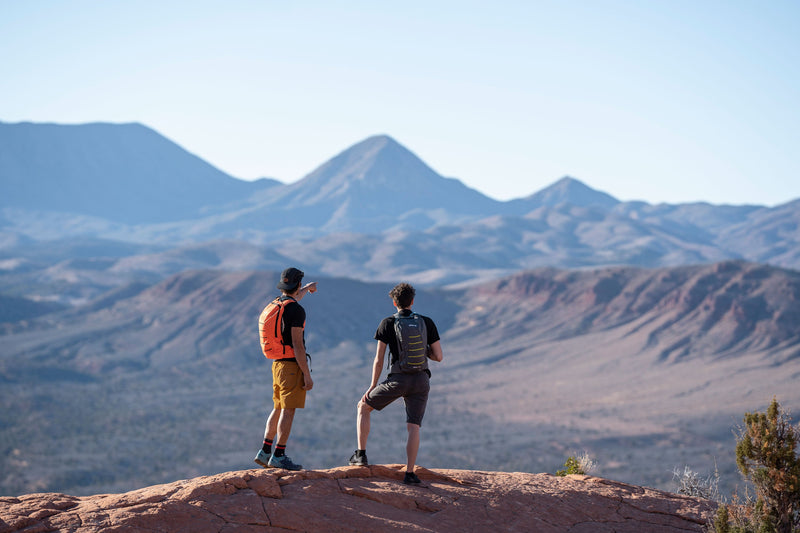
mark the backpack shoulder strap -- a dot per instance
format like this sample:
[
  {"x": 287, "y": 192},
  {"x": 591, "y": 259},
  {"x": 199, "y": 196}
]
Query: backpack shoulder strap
[
  {"x": 281, "y": 302},
  {"x": 396, "y": 327}
]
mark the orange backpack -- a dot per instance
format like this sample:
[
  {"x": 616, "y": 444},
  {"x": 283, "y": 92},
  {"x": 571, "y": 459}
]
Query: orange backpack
[{"x": 270, "y": 324}]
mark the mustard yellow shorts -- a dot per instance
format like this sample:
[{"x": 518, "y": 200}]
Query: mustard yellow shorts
[{"x": 287, "y": 385}]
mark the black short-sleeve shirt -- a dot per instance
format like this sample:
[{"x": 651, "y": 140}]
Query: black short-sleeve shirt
[
  {"x": 386, "y": 333},
  {"x": 294, "y": 316}
]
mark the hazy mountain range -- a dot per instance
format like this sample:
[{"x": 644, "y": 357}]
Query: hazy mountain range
[
  {"x": 132, "y": 274},
  {"x": 376, "y": 208}
]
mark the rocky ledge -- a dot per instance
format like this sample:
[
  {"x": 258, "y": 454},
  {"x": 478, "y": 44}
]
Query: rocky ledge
[{"x": 364, "y": 499}]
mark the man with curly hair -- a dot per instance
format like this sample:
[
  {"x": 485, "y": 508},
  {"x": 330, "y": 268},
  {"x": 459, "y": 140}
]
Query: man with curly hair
[{"x": 409, "y": 381}]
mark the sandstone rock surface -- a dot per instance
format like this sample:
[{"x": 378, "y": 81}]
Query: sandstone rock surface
[{"x": 364, "y": 499}]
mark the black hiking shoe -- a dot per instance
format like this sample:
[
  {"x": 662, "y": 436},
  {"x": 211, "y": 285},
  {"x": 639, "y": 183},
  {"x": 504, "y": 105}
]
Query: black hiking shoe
[
  {"x": 411, "y": 479},
  {"x": 359, "y": 460},
  {"x": 283, "y": 462}
]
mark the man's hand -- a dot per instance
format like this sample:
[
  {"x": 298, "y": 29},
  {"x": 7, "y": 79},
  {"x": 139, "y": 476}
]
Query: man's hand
[
  {"x": 310, "y": 287},
  {"x": 364, "y": 398},
  {"x": 308, "y": 383},
  {"x": 436, "y": 351}
]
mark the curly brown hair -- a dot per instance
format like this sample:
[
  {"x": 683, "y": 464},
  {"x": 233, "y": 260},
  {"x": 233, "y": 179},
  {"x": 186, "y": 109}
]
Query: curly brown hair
[{"x": 403, "y": 295}]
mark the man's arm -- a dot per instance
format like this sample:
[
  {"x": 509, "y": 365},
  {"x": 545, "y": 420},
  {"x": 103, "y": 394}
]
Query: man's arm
[
  {"x": 307, "y": 288},
  {"x": 300, "y": 355},
  {"x": 377, "y": 365},
  {"x": 436, "y": 351}
]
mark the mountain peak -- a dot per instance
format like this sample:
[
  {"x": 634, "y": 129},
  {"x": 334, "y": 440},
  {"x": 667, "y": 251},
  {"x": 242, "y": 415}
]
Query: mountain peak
[
  {"x": 378, "y": 177},
  {"x": 371, "y": 159},
  {"x": 366, "y": 157},
  {"x": 569, "y": 190},
  {"x": 379, "y": 140}
]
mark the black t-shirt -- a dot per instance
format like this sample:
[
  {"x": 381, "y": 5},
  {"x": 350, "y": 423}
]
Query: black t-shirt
[
  {"x": 386, "y": 333},
  {"x": 294, "y": 316}
]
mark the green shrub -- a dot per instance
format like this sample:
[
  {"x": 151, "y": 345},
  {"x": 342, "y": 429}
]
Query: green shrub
[
  {"x": 571, "y": 466},
  {"x": 582, "y": 464},
  {"x": 766, "y": 456},
  {"x": 722, "y": 520}
]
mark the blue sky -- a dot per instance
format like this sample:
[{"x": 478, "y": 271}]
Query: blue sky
[{"x": 663, "y": 101}]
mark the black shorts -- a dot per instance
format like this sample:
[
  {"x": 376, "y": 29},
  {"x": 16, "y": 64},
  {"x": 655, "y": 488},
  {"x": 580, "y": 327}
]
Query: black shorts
[{"x": 413, "y": 388}]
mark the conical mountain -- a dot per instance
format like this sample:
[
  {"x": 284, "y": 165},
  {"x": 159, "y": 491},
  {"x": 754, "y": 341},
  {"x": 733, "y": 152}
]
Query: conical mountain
[
  {"x": 567, "y": 190},
  {"x": 379, "y": 184}
]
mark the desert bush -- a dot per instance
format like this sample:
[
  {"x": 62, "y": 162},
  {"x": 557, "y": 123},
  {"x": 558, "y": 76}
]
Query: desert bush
[
  {"x": 691, "y": 483},
  {"x": 766, "y": 456},
  {"x": 742, "y": 516},
  {"x": 583, "y": 464}
]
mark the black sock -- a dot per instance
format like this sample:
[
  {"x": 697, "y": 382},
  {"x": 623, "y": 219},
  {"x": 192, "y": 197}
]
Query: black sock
[
  {"x": 361, "y": 453},
  {"x": 267, "y": 446},
  {"x": 280, "y": 450}
]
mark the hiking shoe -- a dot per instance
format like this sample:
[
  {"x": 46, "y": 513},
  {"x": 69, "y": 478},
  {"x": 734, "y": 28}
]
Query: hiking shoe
[
  {"x": 283, "y": 462},
  {"x": 263, "y": 459},
  {"x": 358, "y": 460},
  {"x": 411, "y": 479}
]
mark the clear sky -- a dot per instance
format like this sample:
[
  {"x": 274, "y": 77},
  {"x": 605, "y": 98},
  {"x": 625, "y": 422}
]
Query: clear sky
[{"x": 663, "y": 101}]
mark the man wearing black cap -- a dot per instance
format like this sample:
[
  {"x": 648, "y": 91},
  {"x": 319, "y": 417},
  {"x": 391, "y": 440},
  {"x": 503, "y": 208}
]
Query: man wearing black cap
[{"x": 291, "y": 376}]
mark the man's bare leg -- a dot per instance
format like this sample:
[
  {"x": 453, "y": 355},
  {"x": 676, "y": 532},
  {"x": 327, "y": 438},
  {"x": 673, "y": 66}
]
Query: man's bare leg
[
  {"x": 272, "y": 425},
  {"x": 284, "y": 425},
  {"x": 412, "y": 446},
  {"x": 362, "y": 424}
]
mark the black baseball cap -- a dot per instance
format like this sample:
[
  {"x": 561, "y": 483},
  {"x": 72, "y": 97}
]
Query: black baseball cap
[{"x": 290, "y": 279}]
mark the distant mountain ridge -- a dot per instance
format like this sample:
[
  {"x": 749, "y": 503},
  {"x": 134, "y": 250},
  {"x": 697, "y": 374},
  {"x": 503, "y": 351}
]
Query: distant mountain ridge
[
  {"x": 129, "y": 173},
  {"x": 375, "y": 207},
  {"x": 122, "y": 172}
]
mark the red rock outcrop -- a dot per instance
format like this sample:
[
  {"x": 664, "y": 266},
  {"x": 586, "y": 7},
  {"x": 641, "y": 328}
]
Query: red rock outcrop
[{"x": 364, "y": 499}]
